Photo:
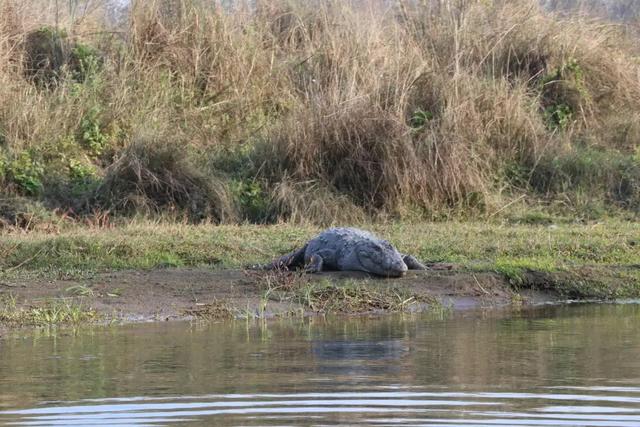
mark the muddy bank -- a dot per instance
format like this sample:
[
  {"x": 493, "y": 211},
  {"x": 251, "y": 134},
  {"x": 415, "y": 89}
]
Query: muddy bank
[{"x": 175, "y": 294}]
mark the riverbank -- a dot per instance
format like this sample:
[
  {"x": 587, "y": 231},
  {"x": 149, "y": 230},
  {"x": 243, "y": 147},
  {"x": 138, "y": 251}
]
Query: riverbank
[
  {"x": 179, "y": 294},
  {"x": 153, "y": 271}
]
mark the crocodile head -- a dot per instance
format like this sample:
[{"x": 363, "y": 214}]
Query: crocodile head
[{"x": 381, "y": 258}]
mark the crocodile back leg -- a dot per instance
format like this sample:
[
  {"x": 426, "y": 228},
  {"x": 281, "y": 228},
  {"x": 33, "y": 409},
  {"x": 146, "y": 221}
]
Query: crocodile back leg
[{"x": 289, "y": 261}]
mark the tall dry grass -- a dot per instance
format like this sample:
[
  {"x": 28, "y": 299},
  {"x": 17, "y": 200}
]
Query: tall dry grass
[{"x": 323, "y": 111}]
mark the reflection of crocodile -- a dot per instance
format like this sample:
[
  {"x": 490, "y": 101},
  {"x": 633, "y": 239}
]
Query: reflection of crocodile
[{"x": 349, "y": 249}]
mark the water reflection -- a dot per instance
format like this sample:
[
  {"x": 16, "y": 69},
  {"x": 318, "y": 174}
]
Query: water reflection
[
  {"x": 569, "y": 366},
  {"x": 366, "y": 350}
]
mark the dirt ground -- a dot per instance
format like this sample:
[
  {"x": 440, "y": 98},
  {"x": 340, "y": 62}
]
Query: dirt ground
[{"x": 175, "y": 294}]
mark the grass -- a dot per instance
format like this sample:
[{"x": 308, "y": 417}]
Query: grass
[
  {"x": 327, "y": 297},
  {"x": 303, "y": 296},
  {"x": 354, "y": 297},
  {"x": 143, "y": 245},
  {"x": 564, "y": 253},
  {"x": 336, "y": 111},
  {"x": 54, "y": 312},
  {"x": 349, "y": 297}
]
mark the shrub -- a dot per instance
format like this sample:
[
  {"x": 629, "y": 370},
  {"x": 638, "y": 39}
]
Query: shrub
[
  {"x": 50, "y": 54},
  {"x": 85, "y": 62},
  {"x": 26, "y": 173},
  {"x": 151, "y": 175},
  {"x": 46, "y": 52},
  {"x": 252, "y": 201},
  {"x": 604, "y": 175},
  {"x": 92, "y": 135},
  {"x": 21, "y": 212}
]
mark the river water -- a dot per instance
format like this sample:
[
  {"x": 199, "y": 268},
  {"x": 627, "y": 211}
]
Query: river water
[{"x": 575, "y": 365}]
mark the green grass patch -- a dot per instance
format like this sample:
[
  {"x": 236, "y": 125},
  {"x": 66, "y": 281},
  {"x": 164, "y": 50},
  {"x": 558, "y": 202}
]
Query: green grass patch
[
  {"x": 506, "y": 248},
  {"x": 53, "y": 312},
  {"x": 515, "y": 269}
]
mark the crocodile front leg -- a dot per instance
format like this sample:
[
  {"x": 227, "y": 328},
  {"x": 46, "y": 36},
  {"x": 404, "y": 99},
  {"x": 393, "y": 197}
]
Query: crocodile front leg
[
  {"x": 320, "y": 260},
  {"x": 315, "y": 264},
  {"x": 412, "y": 263}
]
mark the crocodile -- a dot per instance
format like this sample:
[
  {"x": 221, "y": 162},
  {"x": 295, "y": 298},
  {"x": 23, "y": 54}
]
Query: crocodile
[{"x": 348, "y": 249}]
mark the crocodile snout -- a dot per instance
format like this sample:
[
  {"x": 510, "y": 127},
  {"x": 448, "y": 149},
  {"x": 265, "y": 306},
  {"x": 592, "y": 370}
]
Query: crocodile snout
[{"x": 398, "y": 269}]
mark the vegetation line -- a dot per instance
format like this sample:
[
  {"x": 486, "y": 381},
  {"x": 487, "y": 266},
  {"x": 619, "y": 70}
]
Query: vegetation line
[{"x": 315, "y": 112}]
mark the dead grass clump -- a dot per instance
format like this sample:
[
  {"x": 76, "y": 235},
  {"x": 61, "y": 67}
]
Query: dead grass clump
[
  {"x": 345, "y": 130},
  {"x": 24, "y": 214},
  {"x": 582, "y": 68},
  {"x": 11, "y": 29},
  {"x": 357, "y": 150},
  {"x": 153, "y": 176},
  {"x": 399, "y": 126},
  {"x": 513, "y": 85},
  {"x": 47, "y": 51},
  {"x": 217, "y": 59},
  {"x": 481, "y": 126},
  {"x": 355, "y": 299},
  {"x": 277, "y": 280},
  {"x": 572, "y": 62},
  {"x": 213, "y": 311},
  {"x": 308, "y": 202}
]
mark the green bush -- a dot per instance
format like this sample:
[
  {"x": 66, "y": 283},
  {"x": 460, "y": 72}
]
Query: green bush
[
  {"x": 91, "y": 133},
  {"x": 86, "y": 61},
  {"x": 420, "y": 118},
  {"x": 558, "y": 116},
  {"x": 79, "y": 171},
  {"x": 49, "y": 54},
  {"x": 563, "y": 94},
  {"x": 26, "y": 173},
  {"x": 84, "y": 180},
  {"x": 252, "y": 200}
]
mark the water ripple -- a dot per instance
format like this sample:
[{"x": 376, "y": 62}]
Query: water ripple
[{"x": 380, "y": 408}]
